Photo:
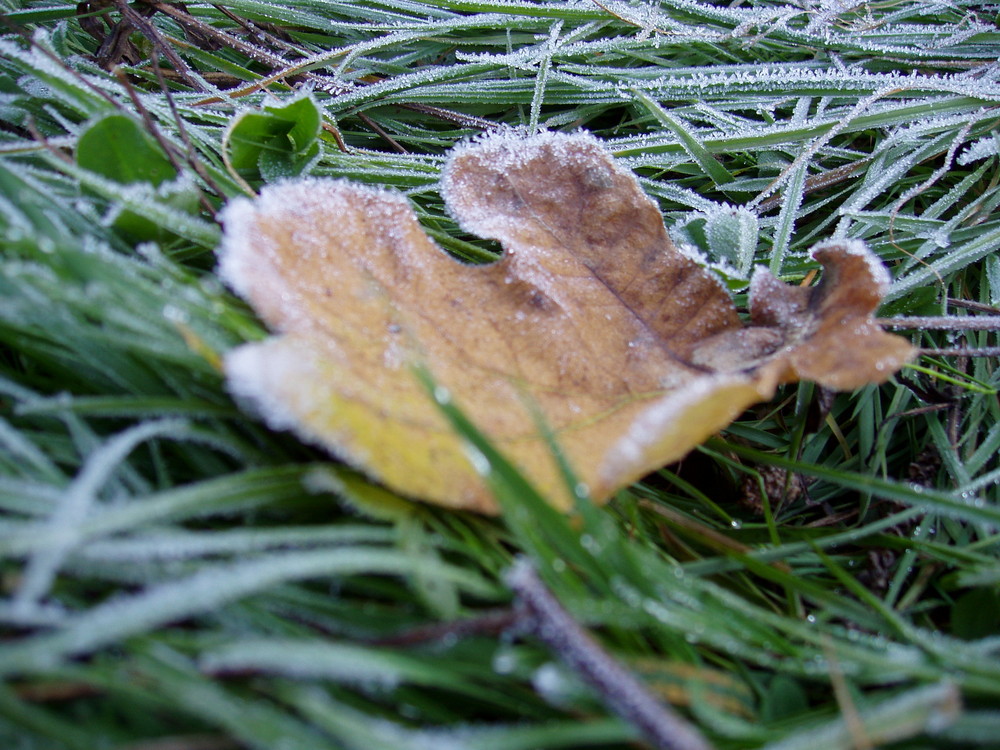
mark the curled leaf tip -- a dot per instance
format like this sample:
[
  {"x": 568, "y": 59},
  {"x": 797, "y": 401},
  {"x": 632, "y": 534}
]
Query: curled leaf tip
[{"x": 631, "y": 353}]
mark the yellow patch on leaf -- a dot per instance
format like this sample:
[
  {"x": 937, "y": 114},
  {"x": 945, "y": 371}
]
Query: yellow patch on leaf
[{"x": 631, "y": 352}]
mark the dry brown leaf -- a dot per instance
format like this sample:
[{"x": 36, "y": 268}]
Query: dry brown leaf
[{"x": 631, "y": 352}]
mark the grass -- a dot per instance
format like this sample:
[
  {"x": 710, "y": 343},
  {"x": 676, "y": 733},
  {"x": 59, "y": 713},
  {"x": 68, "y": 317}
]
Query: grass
[{"x": 824, "y": 574}]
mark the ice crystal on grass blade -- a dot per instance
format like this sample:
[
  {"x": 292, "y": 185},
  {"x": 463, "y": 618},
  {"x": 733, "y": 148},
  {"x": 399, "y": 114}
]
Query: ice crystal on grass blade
[
  {"x": 61, "y": 532},
  {"x": 980, "y": 149}
]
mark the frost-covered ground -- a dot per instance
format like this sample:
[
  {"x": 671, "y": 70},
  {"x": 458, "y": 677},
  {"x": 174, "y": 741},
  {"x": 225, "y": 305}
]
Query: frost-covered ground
[{"x": 822, "y": 574}]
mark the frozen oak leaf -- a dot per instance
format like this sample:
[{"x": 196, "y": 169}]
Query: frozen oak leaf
[{"x": 630, "y": 351}]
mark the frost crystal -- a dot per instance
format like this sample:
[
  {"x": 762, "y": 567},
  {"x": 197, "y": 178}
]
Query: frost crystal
[{"x": 981, "y": 149}]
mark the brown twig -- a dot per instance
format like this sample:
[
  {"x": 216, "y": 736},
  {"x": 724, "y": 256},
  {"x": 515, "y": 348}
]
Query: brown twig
[
  {"x": 39, "y": 137},
  {"x": 284, "y": 69},
  {"x": 255, "y": 30},
  {"x": 9, "y": 127},
  {"x": 944, "y": 323},
  {"x": 708, "y": 536},
  {"x": 617, "y": 687},
  {"x": 458, "y": 118},
  {"x": 963, "y": 351},
  {"x": 165, "y": 145},
  {"x": 818, "y": 182},
  {"x": 967, "y": 304},
  {"x": 221, "y": 80},
  {"x": 375, "y": 127},
  {"x": 148, "y": 30},
  {"x": 949, "y": 323},
  {"x": 190, "y": 153},
  {"x": 224, "y": 38},
  {"x": 87, "y": 16},
  {"x": 147, "y": 120},
  {"x": 333, "y": 130},
  {"x": 116, "y": 45}
]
